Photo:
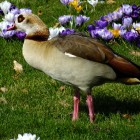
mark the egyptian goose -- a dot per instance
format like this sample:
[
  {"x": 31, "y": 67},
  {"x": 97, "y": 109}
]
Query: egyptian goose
[{"x": 78, "y": 60}]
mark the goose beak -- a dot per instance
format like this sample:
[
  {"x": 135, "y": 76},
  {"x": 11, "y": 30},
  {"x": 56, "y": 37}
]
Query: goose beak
[{"x": 13, "y": 27}]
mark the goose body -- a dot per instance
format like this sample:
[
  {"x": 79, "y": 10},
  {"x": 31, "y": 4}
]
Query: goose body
[
  {"x": 66, "y": 68},
  {"x": 78, "y": 60}
]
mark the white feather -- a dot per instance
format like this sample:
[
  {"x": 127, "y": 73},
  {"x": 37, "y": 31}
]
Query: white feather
[{"x": 70, "y": 55}]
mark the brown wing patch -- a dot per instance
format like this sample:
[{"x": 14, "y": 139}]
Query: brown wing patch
[{"x": 80, "y": 46}]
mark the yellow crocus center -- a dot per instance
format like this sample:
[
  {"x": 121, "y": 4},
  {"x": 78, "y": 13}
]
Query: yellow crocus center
[{"x": 115, "y": 33}]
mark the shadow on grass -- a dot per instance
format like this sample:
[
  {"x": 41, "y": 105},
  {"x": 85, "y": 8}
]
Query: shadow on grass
[{"x": 108, "y": 104}]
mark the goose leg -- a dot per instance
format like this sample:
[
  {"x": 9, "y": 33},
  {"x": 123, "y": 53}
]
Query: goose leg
[
  {"x": 76, "y": 100},
  {"x": 90, "y": 105}
]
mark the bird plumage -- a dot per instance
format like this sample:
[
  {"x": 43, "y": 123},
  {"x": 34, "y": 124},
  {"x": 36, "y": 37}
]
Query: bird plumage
[{"x": 73, "y": 59}]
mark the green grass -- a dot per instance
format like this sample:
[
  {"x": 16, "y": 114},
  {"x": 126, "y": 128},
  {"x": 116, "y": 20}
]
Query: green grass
[{"x": 35, "y": 103}]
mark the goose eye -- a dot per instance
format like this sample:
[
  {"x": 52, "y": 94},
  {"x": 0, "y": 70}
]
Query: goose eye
[{"x": 20, "y": 18}]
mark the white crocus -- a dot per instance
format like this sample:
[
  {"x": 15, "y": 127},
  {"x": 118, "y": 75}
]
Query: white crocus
[
  {"x": 10, "y": 17},
  {"x": 4, "y": 24},
  {"x": 55, "y": 31},
  {"x": 26, "y": 136},
  {"x": 92, "y": 2},
  {"x": 25, "y": 10},
  {"x": 136, "y": 26},
  {"x": 5, "y": 6}
]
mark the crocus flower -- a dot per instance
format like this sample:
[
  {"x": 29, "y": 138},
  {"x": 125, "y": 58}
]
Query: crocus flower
[
  {"x": 127, "y": 9},
  {"x": 101, "y": 23},
  {"x": 136, "y": 26},
  {"x": 65, "y": 2},
  {"x": 107, "y": 18},
  {"x": 131, "y": 35},
  {"x": 94, "y": 33},
  {"x": 138, "y": 42},
  {"x": 79, "y": 20},
  {"x": 134, "y": 7},
  {"x": 10, "y": 17},
  {"x": 78, "y": 8},
  {"x": 65, "y": 19},
  {"x": 15, "y": 11},
  {"x": 76, "y": 5},
  {"x": 25, "y": 10},
  {"x": 20, "y": 35},
  {"x": 135, "y": 14},
  {"x": 5, "y": 6},
  {"x": 7, "y": 34},
  {"x": 127, "y": 21},
  {"x": 12, "y": 7},
  {"x": 116, "y": 15},
  {"x": 1, "y": 12},
  {"x": 116, "y": 26},
  {"x": 105, "y": 34},
  {"x": 92, "y": 2},
  {"x": 90, "y": 27},
  {"x": 55, "y": 31},
  {"x": 120, "y": 12},
  {"x": 122, "y": 32},
  {"x": 27, "y": 136},
  {"x": 67, "y": 32},
  {"x": 5, "y": 24},
  {"x": 115, "y": 32}
]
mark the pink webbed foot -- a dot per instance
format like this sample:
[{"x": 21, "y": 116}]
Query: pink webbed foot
[
  {"x": 90, "y": 108},
  {"x": 76, "y": 100}
]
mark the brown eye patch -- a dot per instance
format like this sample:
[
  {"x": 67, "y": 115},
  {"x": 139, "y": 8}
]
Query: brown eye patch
[{"x": 20, "y": 18}]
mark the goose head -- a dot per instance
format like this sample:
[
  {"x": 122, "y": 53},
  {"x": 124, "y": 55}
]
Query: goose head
[{"x": 32, "y": 25}]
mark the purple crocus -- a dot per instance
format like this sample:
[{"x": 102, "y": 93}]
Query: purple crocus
[
  {"x": 79, "y": 20},
  {"x": 103, "y": 33},
  {"x": 107, "y": 17},
  {"x": 25, "y": 10},
  {"x": 120, "y": 12},
  {"x": 101, "y": 23},
  {"x": 135, "y": 14},
  {"x": 94, "y": 33},
  {"x": 20, "y": 35},
  {"x": 131, "y": 35},
  {"x": 122, "y": 32},
  {"x": 67, "y": 32},
  {"x": 65, "y": 2},
  {"x": 1, "y": 12},
  {"x": 65, "y": 19},
  {"x": 116, "y": 26},
  {"x": 127, "y": 21},
  {"x": 15, "y": 11},
  {"x": 134, "y": 7},
  {"x": 12, "y": 7},
  {"x": 127, "y": 9},
  {"x": 7, "y": 34},
  {"x": 138, "y": 42},
  {"x": 117, "y": 15},
  {"x": 90, "y": 27}
]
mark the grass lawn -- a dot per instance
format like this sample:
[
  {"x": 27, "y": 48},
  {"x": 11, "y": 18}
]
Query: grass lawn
[{"x": 37, "y": 104}]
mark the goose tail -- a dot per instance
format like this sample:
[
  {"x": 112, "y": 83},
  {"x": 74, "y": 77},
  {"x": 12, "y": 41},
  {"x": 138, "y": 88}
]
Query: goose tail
[{"x": 127, "y": 71}]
